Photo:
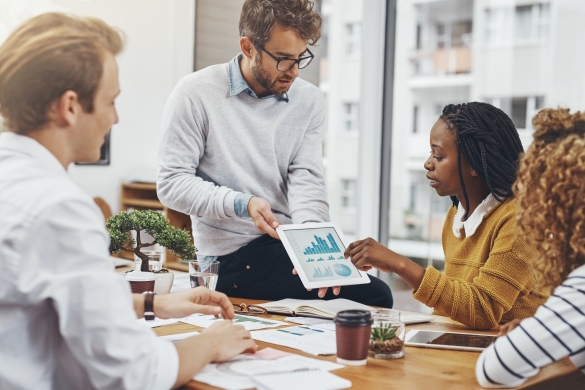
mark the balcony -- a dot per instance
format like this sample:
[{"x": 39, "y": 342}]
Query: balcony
[
  {"x": 454, "y": 60},
  {"x": 441, "y": 68}
]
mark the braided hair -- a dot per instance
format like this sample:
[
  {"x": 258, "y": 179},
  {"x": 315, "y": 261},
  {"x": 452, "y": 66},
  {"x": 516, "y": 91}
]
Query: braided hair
[{"x": 489, "y": 141}]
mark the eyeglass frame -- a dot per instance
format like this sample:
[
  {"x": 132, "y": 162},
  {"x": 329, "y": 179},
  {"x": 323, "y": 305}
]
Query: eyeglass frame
[
  {"x": 245, "y": 309},
  {"x": 296, "y": 62}
]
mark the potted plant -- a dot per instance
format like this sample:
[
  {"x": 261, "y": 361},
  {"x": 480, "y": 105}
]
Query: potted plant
[
  {"x": 157, "y": 225},
  {"x": 385, "y": 341}
]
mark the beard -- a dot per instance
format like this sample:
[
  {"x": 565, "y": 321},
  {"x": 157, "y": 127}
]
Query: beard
[{"x": 263, "y": 78}]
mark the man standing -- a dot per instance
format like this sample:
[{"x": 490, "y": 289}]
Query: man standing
[
  {"x": 241, "y": 152},
  {"x": 67, "y": 320}
]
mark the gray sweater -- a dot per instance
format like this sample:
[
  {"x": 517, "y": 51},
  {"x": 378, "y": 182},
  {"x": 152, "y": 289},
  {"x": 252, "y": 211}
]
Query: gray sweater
[{"x": 217, "y": 143}]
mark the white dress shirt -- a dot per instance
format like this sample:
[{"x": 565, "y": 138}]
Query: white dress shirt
[{"x": 66, "y": 318}]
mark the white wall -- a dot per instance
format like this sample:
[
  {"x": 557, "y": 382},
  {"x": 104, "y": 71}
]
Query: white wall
[{"x": 158, "y": 52}]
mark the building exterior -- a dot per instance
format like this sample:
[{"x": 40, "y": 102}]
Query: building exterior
[{"x": 519, "y": 55}]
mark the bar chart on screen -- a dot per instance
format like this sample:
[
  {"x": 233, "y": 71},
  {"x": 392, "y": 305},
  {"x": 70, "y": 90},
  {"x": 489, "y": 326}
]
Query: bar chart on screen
[{"x": 322, "y": 245}]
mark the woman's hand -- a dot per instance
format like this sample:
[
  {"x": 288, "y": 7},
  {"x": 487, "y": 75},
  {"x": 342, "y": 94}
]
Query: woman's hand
[
  {"x": 507, "y": 327},
  {"x": 368, "y": 253},
  {"x": 195, "y": 300}
]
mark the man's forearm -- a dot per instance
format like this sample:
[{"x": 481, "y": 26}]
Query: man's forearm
[
  {"x": 191, "y": 195},
  {"x": 138, "y": 300},
  {"x": 191, "y": 362}
]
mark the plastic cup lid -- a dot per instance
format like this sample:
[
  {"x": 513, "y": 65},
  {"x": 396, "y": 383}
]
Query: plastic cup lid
[
  {"x": 353, "y": 318},
  {"x": 137, "y": 276}
]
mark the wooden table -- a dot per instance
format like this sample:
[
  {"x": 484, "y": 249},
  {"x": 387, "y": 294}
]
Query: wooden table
[{"x": 421, "y": 368}]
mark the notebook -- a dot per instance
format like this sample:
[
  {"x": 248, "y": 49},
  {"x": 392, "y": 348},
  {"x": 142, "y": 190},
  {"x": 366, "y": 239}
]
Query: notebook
[
  {"x": 323, "y": 309},
  {"x": 313, "y": 307},
  {"x": 306, "y": 379}
]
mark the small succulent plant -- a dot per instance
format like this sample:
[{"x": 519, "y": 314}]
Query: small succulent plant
[{"x": 383, "y": 333}]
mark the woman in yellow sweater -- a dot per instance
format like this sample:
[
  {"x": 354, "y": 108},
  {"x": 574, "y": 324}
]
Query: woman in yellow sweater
[{"x": 488, "y": 276}]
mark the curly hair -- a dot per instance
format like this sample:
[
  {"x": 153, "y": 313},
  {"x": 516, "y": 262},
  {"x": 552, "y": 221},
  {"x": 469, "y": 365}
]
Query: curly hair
[
  {"x": 259, "y": 17},
  {"x": 489, "y": 141},
  {"x": 551, "y": 194}
]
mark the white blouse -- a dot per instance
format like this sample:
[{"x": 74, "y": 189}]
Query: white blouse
[
  {"x": 66, "y": 318},
  {"x": 475, "y": 219}
]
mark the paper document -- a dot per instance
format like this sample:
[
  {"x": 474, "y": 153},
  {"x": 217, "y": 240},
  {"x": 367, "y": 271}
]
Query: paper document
[
  {"x": 408, "y": 319},
  {"x": 310, "y": 379},
  {"x": 236, "y": 373},
  {"x": 308, "y": 320},
  {"x": 310, "y": 339},
  {"x": 178, "y": 337},
  {"x": 249, "y": 322},
  {"x": 157, "y": 322}
]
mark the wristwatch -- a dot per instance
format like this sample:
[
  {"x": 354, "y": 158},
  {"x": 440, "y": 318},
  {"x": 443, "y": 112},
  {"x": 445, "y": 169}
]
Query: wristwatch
[{"x": 148, "y": 305}]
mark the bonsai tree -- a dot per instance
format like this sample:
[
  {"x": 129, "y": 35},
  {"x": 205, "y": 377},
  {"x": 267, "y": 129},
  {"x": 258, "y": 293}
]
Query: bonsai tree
[{"x": 154, "y": 223}]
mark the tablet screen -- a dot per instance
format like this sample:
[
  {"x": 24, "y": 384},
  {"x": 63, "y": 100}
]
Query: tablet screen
[
  {"x": 452, "y": 339},
  {"x": 320, "y": 252}
]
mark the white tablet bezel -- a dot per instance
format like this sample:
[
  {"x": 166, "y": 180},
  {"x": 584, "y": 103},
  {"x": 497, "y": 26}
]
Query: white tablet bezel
[
  {"x": 296, "y": 262},
  {"x": 411, "y": 334}
]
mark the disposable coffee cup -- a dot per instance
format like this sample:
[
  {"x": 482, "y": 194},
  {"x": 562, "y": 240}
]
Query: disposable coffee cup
[
  {"x": 140, "y": 281},
  {"x": 352, "y": 331}
]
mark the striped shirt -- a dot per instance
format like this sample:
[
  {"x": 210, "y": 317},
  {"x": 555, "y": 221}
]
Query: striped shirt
[{"x": 557, "y": 330}]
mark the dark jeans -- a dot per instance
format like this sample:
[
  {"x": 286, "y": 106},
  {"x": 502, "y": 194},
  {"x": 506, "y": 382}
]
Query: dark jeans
[{"x": 263, "y": 270}]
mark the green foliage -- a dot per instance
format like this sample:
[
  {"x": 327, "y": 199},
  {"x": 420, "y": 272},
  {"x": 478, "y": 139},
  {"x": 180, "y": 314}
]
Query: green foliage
[
  {"x": 154, "y": 223},
  {"x": 383, "y": 332}
]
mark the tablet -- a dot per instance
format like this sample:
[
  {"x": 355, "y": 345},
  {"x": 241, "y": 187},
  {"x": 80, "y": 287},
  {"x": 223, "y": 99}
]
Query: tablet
[
  {"x": 316, "y": 250},
  {"x": 448, "y": 340}
]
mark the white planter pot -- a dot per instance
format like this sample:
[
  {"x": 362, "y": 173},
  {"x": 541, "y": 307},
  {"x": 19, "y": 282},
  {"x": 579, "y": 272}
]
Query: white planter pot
[{"x": 163, "y": 282}]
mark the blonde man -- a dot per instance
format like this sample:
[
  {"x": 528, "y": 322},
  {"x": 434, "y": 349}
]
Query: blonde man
[{"x": 67, "y": 321}]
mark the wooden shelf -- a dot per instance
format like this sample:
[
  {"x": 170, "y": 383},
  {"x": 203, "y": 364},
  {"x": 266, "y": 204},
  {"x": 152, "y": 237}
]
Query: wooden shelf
[
  {"x": 140, "y": 186},
  {"x": 147, "y": 203},
  {"x": 143, "y": 196}
]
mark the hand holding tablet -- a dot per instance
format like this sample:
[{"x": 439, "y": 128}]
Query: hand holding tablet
[{"x": 316, "y": 250}]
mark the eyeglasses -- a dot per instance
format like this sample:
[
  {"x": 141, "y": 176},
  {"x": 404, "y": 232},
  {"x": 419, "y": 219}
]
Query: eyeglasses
[
  {"x": 284, "y": 64},
  {"x": 249, "y": 310}
]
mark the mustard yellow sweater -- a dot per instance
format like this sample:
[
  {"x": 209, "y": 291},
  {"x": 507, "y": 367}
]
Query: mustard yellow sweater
[{"x": 488, "y": 277}]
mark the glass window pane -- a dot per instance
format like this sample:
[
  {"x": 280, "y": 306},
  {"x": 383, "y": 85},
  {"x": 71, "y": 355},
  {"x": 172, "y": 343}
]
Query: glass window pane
[
  {"x": 519, "y": 65},
  {"x": 340, "y": 80},
  {"x": 523, "y": 22}
]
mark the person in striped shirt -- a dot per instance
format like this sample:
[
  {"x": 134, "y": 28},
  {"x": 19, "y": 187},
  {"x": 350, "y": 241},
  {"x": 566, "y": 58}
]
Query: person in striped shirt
[{"x": 551, "y": 195}]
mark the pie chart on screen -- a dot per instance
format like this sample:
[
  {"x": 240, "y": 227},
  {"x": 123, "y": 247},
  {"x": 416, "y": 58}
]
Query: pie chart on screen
[{"x": 342, "y": 270}]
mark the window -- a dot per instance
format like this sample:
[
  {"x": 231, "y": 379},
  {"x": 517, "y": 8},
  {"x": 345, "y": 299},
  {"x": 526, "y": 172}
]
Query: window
[
  {"x": 350, "y": 117},
  {"x": 353, "y": 38},
  {"x": 503, "y": 52},
  {"x": 519, "y": 109},
  {"x": 523, "y": 24},
  {"x": 440, "y": 205},
  {"x": 348, "y": 193},
  {"x": 418, "y": 37},
  {"x": 413, "y": 191},
  {"x": 415, "y": 119}
]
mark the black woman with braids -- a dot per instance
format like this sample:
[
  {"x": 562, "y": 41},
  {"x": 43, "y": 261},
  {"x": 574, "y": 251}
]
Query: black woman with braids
[{"x": 488, "y": 278}]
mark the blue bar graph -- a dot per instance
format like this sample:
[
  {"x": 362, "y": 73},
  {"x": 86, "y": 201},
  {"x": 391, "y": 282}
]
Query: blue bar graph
[
  {"x": 317, "y": 273},
  {"x": 321, "y": 246}
]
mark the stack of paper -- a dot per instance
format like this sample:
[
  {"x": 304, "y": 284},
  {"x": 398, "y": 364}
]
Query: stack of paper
[
  {"x": 315, "y": 340},
  {"x": 249, "y": 322},
  {"x": 308, "y": 379},
  {"x": 237, "y": 373}
]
